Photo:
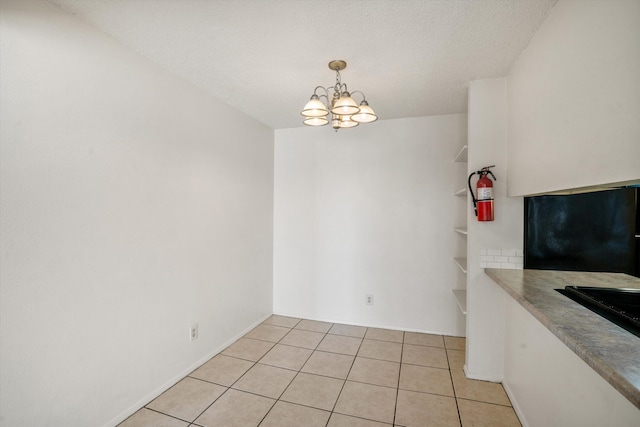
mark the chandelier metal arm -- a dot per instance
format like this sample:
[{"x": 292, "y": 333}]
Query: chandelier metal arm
[
  {"x": 326, "y": 91},
  {"x": 364, "y": 98}
]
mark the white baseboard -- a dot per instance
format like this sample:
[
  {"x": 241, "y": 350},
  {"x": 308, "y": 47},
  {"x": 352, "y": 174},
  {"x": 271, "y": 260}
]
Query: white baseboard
[
  {"x": 169, "y": 383},
  {"x": 515, "y": 405},
  {"x": 481, "y": 377},
  {"x": 366, "y": 324}
]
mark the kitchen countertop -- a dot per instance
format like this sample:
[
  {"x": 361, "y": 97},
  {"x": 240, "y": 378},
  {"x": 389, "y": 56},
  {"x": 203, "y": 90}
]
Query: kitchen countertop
[{"x": 611, "y": 351}]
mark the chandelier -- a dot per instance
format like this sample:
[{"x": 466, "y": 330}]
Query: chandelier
[{"x": 345, "y": 113}]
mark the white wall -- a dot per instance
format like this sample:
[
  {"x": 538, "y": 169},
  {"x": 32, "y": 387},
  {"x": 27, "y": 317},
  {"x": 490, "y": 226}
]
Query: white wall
[
  {"x": 574, "y": 99},
  {"x": 487, "y": 146},
  {"x": 369, "y": 210},
  {"x": 132, "y": 205}
]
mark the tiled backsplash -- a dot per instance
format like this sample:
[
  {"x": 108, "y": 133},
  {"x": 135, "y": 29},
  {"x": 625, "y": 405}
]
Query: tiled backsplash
[{"x": 506, "y": 259}]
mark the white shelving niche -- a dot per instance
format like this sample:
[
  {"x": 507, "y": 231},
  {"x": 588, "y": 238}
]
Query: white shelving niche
[{"x": 460, "y": 290}]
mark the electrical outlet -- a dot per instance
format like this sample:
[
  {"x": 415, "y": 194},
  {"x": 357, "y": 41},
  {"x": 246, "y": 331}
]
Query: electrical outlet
[
  {"x": 193, "y": 333},
  {"x": 369, "y": 299}
]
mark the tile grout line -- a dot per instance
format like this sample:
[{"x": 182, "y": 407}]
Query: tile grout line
[
  {"x": 395, "y": 408},
  {"x": 230, "y": 387},
  {"x": 157, "y": 412},
  {"x": 298, "y": 371},
  {"x": 278, "y": 399},
  {"x": 173, "y": 416},
  {"x": 455, "y": 396},
  {"x": 347, "y": 376}
]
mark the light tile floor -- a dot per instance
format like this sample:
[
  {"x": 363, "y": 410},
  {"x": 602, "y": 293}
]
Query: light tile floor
[{"x": 291, "y": 372}]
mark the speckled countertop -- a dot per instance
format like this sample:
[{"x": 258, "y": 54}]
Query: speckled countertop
[{"x": 611, "y": 351}]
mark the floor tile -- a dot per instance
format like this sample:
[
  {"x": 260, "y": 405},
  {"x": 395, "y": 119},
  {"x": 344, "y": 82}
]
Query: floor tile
[
  {"x": 483, "y": 391},
  {"x": 425, "y": 356},
  {"x": 187, "y": 399},
  {"x": 426, "y": 380},
  {"x": 304, "y": 339},
  {"x": 287, "y": 322},
  {"x": 348, "y": 330},
  {"x": 455, "y": 343},
  {"x": 329, "y": 364},
  {"x": 270, "y": 333},
  {"x": 384, "y": 335},
  {"x": 423, "y": 339},
  {"x": 382, "y": 350},
  {"x": 314, "y": 326},
  {"x": 340, "y": 344},
  {"x": 426, "y": 410},
  {"x": 295, "y": 372},
  {"x": 339, "y": 420},
  {"x": 479, "y": 414},
  {"x": 146, "y": 417},
  {"x": 236, "y": 409},
  {"x": 285, "y": 414},
  {"x": 367, "y": 401},
  {"x": 223, "y": 370},
  {"x": 286, "y": 356},
  {"x": 265, "y": 380},
  {"x": 456, "y": 359},
  {"x": 313, "y": 390},
  {"x": 248, "y": 349},
  {"x": 373, "y": 371}
]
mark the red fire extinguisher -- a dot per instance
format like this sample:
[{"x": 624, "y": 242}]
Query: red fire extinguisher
[{"x": 483, "y": 204}]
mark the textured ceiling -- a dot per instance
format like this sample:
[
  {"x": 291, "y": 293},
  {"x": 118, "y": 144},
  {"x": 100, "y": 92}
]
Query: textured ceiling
[{"x": 264, "y": 57}]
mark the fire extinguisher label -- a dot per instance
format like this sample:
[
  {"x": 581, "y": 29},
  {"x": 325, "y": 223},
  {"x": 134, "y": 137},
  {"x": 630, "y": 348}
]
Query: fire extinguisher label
[{"x": 485, "y": 193}]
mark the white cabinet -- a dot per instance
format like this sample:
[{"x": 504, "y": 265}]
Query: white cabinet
[
  {"x": 552, "y": 113},
  {"x": 460, "y": 291},
  {"x": 550, "y": 385}
]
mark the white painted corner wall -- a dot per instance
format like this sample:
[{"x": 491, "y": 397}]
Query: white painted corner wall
[
  {"x": 574, "y": 99},
  {"x": 132, "y": 206},
  {"x": 485, "y": 309},
  {"x": 369, "y": 210}
]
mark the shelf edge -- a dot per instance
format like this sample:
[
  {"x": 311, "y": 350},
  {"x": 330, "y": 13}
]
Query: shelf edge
[
  {"x": 461, "y": 299},
  {"x": 461, "y": 157}
]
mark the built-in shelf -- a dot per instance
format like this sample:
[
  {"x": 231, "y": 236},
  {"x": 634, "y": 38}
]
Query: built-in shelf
[
  {"x": 462, "y": 155},
  {"x": 461, "y": 297},
  {"x": 462, "y": 264},
  {"x": 461, "y": 294}
]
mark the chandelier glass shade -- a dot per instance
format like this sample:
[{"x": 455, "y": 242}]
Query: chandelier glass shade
[
  {"x": 344, "y": 111},
  {"x": 315, "y": 108},
  {"x": 315, "y": 121}
]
